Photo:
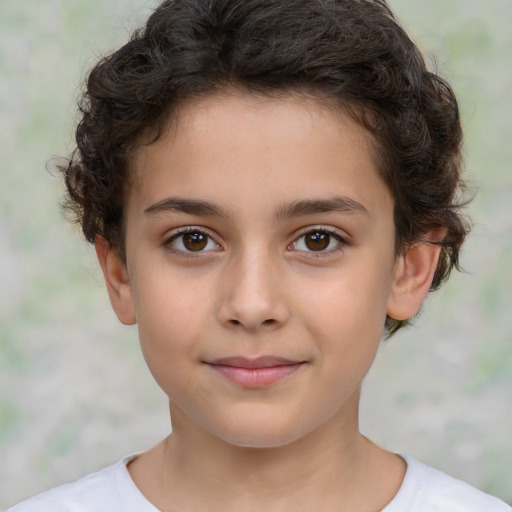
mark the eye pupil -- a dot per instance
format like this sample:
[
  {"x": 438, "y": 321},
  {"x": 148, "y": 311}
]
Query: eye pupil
[
  {"x": 317, "y": 240},
  {"x": 195, "y": 241}
]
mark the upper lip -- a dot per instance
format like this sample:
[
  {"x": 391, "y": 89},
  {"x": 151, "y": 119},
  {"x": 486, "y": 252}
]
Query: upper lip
[{"x": 258, "y": 362}]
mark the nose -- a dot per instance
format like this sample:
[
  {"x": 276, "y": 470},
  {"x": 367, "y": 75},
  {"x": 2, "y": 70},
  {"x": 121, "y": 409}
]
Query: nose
[{"x": 253, "y": 297}]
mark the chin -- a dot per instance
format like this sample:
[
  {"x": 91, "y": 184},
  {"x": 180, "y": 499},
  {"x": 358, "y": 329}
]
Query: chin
[
  {"x": 259, "y": 442},
  {"x": 259, "y": 435}
]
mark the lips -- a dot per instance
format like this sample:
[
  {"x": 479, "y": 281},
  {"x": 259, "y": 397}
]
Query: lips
[{"x": 255, "y": 373}]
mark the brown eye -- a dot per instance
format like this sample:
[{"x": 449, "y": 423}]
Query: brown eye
[
  {"x": 191, "y": 241},
  {"x": 317, "y": 240},
  {"x": 195, "y": 241}
]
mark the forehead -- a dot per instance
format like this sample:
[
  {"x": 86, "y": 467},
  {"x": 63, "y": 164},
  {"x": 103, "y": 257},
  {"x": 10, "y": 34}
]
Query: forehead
[{"x": 288, "y": 146}]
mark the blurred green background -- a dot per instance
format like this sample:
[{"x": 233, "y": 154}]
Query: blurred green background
[{"x": 74, "y": 391}]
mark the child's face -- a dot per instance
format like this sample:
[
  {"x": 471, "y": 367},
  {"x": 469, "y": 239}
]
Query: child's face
[{"x": 288, "y": 255}]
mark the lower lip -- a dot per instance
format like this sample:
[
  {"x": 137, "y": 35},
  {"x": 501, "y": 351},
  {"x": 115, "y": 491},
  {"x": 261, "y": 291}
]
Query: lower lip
[{"x": 256, "y": 377}]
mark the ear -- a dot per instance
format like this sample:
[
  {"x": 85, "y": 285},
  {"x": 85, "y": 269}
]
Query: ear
[
  {"x": 414, "y": 272},
  {"x": 117, "y": 281}
]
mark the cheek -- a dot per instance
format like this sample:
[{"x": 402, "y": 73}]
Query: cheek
[
  {"x": 169, "y": 298},
  {"x": 347, "y": 297},
  {"x": 171, "y": 313},
  {"x": 347, "y": 311}
]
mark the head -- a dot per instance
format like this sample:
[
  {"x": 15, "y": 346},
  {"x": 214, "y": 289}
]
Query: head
[{"x": 350, "y": 54}]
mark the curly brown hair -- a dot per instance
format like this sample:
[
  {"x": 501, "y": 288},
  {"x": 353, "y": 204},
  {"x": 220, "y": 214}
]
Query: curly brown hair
[{"x": 353, "y": 52}]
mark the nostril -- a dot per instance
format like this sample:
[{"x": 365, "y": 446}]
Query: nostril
[{"x": 269, "y": 321}]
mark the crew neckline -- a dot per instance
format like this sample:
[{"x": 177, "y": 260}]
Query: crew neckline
[{"x": 403, "y": 499}]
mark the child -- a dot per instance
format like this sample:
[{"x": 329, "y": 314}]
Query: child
[{"x": 269, "y": 186}]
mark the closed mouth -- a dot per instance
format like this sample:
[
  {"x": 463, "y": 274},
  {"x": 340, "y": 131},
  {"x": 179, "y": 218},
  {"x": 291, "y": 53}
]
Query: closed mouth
[
  {"x": 255, "y": 373},
  {"x": 251, "y": 363}
]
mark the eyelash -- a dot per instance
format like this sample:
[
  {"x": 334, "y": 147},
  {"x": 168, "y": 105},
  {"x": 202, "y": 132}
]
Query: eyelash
[
  {"x": 341, "y": 241},
  {"x": 189, "y": 230}
]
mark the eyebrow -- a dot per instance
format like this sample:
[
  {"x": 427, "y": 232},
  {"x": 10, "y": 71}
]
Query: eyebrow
[
  {"x": 340, "y": 204},
  {"x": 199, "y": 207},
  {"x": 191, "y": 206}
]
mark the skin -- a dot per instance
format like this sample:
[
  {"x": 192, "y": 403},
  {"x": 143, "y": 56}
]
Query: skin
[{"x": 259, "y": 286}]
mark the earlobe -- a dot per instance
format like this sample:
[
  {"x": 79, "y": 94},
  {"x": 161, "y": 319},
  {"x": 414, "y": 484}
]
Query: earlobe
[
  {"x": 414, "y": 272},
  {"x": 117, "y": 281}
]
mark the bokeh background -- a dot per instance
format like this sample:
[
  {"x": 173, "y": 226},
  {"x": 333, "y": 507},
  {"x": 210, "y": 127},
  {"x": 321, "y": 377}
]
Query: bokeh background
[{"x": 75, "y": 394}]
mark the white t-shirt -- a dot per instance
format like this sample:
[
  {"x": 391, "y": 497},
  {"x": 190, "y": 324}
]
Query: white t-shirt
[{"x": 424, "y": 489}]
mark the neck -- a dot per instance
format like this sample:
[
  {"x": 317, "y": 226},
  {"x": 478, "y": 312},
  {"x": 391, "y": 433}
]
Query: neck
[
  {"x": 209, "y": 459},
  {"x": 331, "y": 468}
]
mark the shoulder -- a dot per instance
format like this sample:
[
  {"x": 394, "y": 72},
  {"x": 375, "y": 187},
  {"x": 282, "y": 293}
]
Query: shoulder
[
  {"x": 426, "y": 489},
  {"x": 108, "y": 490}
]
